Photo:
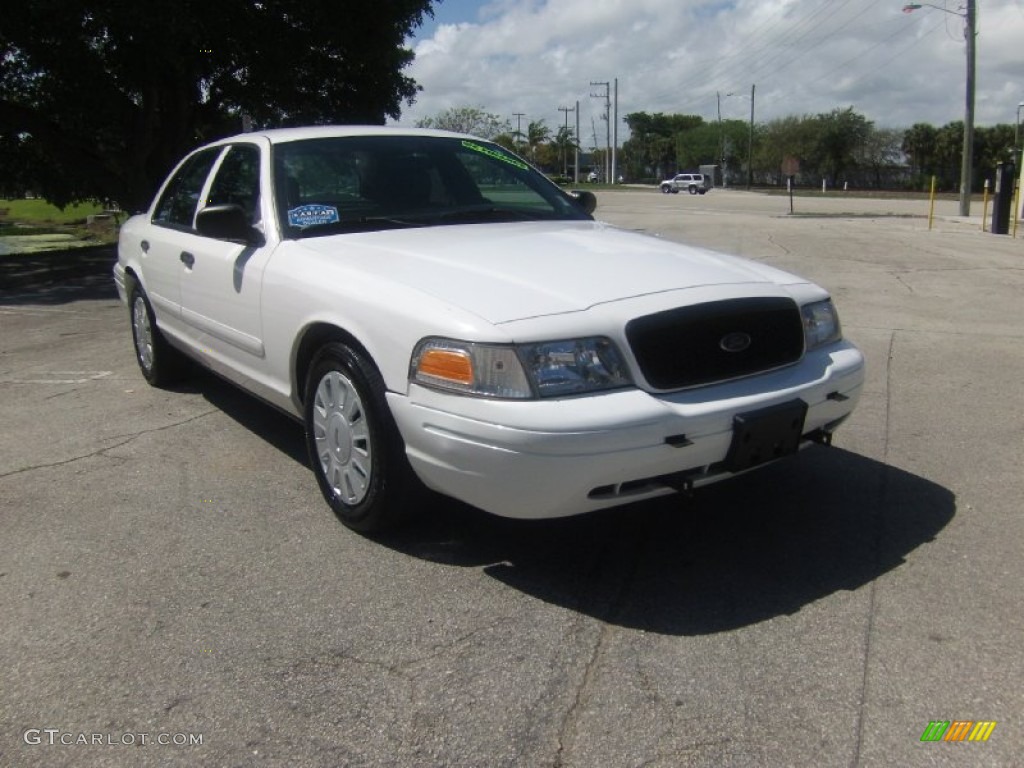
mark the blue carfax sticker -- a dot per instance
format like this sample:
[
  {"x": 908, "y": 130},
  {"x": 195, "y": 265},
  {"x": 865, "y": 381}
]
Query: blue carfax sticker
[{"x": 308, "y": 215}]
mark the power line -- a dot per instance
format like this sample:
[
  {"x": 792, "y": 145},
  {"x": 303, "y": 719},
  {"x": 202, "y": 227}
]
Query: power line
[
  {"x": 879, "y": 44},
  {"x": 752, "y": 61},
  {"x": 747, "y": 56}
]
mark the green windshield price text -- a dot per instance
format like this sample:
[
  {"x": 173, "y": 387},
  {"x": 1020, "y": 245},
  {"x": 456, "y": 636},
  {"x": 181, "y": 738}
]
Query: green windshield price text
[{"x": 495, "y": 154}]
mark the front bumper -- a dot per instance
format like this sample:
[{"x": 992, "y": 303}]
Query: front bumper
[{"x": 555, "y": 458}]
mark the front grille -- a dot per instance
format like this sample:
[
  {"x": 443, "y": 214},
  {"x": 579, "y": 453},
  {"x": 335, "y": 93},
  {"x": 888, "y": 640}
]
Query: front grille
[{"x": 717, "y": 341}]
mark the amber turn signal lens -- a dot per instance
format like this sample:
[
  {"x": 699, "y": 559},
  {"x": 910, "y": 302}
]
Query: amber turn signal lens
[{"x": 447, "y": 364}]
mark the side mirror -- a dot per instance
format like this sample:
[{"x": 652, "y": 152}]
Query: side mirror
[
  {"x": 226, "y": 222},
  {"x": 584, "y": 199}
]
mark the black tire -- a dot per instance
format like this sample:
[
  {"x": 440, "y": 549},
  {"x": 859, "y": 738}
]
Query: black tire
[
  {"x": 355, "y": 449},
  {"x": 159, "y": 362},
  {"x": 665, "y": 189},
  {"x": 693, "y": 190}
]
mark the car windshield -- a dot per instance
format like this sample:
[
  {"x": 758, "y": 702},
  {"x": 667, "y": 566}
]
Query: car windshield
[{"x": 366, "y": 183}]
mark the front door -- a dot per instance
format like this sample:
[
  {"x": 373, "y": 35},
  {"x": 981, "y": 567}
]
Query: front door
[{"x": 222, "y": 282}]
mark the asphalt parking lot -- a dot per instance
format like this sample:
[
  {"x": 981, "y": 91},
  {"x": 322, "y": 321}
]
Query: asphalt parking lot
[{"x": 174, "y": 592}]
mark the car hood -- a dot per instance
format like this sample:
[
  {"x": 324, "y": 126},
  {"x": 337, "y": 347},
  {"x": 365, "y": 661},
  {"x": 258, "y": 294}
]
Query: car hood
[{"x": 509, "y": 272}]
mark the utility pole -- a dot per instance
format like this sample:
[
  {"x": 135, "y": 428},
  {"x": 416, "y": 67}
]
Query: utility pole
[
  {"x": 615, "y": 136},
  {"x": 566, "y": 110},
  {"x": 576, "y": 145},
  {"x": 970, "y": 17},
  {"x": 968, "y": 159},
  {"x": 608, "y": 128},
  {"x": 721, "y": 137},
  {"x": 519, "y": 128}
]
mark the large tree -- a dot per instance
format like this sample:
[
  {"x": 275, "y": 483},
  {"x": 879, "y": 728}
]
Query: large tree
[
  {"x": 651, "y": 148},
  {"x": 919, "y": 142},
  {"x": 105, "y": 95},
  {"x": 840, "y": 133}
]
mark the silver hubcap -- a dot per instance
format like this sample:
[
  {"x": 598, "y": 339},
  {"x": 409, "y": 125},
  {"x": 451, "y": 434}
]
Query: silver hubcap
[
  {"x": 143, "y": 333},
  {"x": 342, "y": 437}
]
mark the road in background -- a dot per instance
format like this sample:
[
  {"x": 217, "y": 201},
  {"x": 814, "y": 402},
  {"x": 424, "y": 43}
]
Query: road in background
[{"x": 168, "y": 566}]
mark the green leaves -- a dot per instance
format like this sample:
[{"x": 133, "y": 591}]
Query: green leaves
[{"x": 105, "y": 96}]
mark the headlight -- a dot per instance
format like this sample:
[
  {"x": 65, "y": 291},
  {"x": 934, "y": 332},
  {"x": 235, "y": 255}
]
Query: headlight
[
  {"x": 543, "y": 369},
  {"x": 574, "y": 366},
  {"x": 821, "y": 324}
]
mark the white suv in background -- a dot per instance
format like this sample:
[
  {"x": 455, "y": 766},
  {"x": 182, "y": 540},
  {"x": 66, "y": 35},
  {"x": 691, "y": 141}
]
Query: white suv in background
[{"x": 694, "y": 183}]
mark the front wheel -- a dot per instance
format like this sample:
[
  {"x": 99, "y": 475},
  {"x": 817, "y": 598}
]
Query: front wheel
[
  {"x": 159, "y": 362},
  {"x": 693, "y": 190},
  {"x": 665, "y": 189},
  {"x": 354, "y": 447}
]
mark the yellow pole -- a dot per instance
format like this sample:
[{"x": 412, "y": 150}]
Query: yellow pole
[
  {"x": 984, "y": 206},
  {"x": 931, "y": 205}
]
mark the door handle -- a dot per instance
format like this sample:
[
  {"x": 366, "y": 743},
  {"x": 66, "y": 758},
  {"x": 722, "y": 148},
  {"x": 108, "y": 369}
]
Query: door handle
[{"x": 187, "y": 259}]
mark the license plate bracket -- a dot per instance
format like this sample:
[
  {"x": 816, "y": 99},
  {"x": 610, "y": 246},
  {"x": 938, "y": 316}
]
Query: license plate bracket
[{"x": 765, "y": 435}]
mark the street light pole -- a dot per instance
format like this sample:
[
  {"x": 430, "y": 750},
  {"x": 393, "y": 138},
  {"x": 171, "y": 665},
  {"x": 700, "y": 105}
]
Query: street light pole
[
  {"x": 750, "y": 143},
  {"x": 1016, "y": 132},
  {"x": 967, "y": 159}
]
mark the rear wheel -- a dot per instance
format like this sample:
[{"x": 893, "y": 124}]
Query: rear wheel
[
  {"x": 159, "y": 362},
  {"x": 354, "y": 447}
]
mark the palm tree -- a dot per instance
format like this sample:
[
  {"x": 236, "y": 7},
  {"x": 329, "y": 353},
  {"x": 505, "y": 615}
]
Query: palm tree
[
  {"x": 565, "y": 141},
  {"x": 536, "y": 134}
]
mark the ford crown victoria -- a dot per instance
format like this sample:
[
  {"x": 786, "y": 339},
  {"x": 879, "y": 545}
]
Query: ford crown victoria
[{"x": 442, "y": 317}]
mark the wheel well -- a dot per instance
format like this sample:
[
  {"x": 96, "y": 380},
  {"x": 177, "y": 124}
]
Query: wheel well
[{"x": 316, "y": 336}]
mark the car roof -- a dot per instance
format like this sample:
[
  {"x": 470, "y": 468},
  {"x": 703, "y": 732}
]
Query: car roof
[{"x": 284, "y": 135}]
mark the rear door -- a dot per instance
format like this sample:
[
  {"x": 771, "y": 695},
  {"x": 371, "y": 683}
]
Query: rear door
[{"x": 169, "y": 235}]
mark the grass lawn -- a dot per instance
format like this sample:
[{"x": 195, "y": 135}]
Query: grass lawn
[
  {"x": 41, "y": 212},
  {"x": 26, "y": 226}
]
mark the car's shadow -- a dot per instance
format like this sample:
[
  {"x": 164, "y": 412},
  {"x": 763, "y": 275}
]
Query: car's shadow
[
  {"x": 734, "y": 554},
  {"x": 265, "y": 421}
]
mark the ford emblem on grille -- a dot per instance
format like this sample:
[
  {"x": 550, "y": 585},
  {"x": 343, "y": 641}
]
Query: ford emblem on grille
[{"x": 737, "y": 341}]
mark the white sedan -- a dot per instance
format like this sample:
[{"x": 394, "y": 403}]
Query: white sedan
[{"x": 441, "y": 316}]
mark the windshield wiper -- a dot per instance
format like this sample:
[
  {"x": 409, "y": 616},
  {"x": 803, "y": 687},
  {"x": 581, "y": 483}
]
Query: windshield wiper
[{"x": 474, "y": 214}]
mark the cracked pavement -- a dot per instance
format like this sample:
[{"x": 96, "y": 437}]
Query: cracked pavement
[{"x": 167, "y": 564}]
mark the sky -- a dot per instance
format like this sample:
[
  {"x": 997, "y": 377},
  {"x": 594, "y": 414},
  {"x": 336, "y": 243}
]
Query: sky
[{"x": 699, "y": 56}]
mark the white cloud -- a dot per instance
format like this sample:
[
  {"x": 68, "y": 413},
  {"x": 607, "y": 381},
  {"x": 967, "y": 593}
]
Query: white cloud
[{"x": 805, "y": 57}]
